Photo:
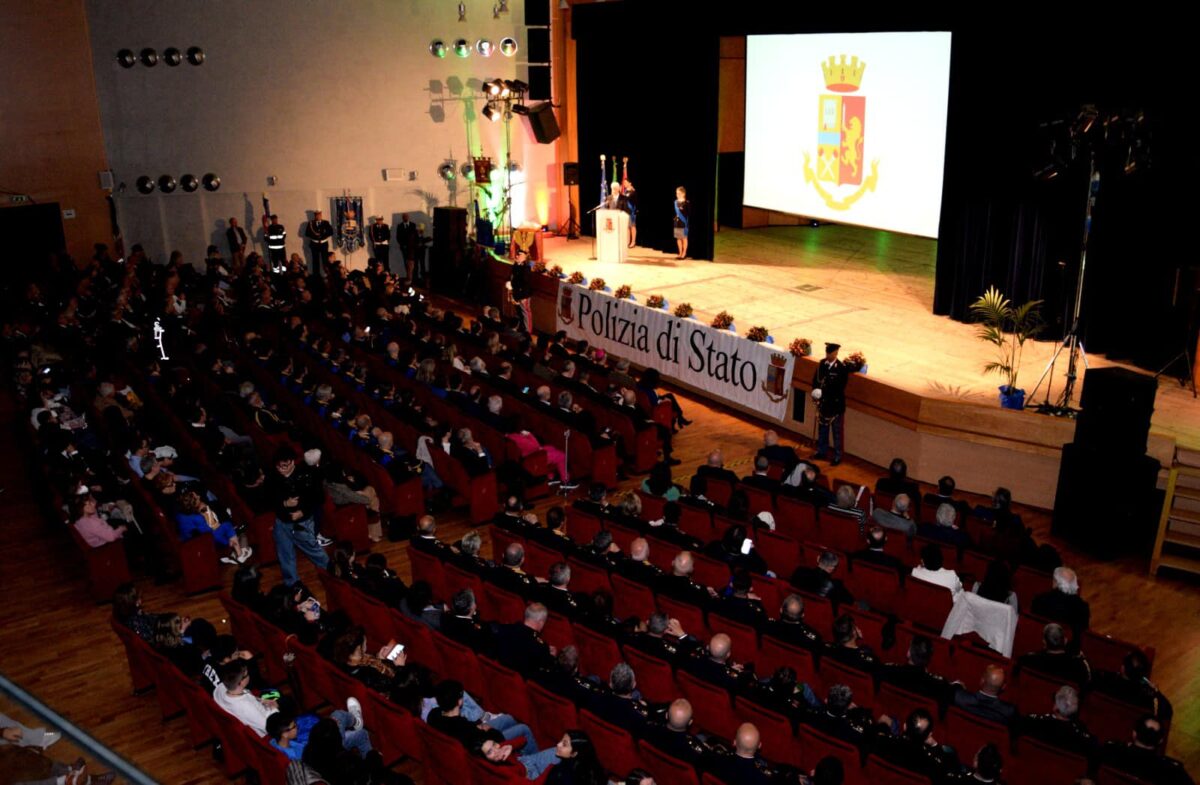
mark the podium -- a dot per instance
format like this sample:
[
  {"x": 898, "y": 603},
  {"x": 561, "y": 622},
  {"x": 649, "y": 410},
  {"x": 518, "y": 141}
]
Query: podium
[{"x": 612, "y": 235}]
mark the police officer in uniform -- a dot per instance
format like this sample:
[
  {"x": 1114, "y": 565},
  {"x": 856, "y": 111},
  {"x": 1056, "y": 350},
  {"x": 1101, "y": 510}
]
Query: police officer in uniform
[
  {"x": 318, "y": 233},
  {"x": 276, "y": 250},
  {"x": 381, "y": 235},
  {"x": 829, "y": 391}
]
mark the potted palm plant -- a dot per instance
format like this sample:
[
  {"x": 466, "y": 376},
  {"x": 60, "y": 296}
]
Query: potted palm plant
[{"x": 1007, "y": 327}]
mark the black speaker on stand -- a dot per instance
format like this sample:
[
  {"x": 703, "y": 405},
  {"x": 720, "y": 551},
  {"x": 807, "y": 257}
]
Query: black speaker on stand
[
  {"x": 449, "y": 246},
  {"x": 1107, "y": 502}
]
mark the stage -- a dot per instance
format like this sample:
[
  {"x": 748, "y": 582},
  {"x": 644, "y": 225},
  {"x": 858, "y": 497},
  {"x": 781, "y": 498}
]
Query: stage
[{"x": 868, "y": 290}]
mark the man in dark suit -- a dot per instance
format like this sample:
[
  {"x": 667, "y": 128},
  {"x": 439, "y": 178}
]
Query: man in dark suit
[
  {"x": 597, "y": 501},
  {"x": 819, "y": 580},
  {"x": 946, "y": 529},
  {"x": 1132, "y": 685},
  {"x": 760, "y": 479},
  {"x": 679, "y": 584},
  {"x": 493, "y": 416},
  {"x": 463, "y": 626},
  {"x": 715, "y": 469},
  {"x": 916, "y": 749},
  {"x": 318, "y": 233},
  {"x": 237, "y": 239},
  {"x": 717, "y": 666},
  {"x": 847, "y": 646},
  {"x": 520, "y": 646},
  {"x": 945, "y": 495},
  {"x": 914, "y": 676},
  {"x": 637, "y": 566},
  {"x": 1063, "y": 604},
  {"x": 381, "y": 236},
  {"x": 426, "y": 539},
  {"x": 986, "y": 703},
  {"x": 618, "y": 705},
  {"x": 772, "y": 450},
  {"x": 1142, "y": 758},
  {"x": 556, "y": 593},
  {"x": 874, "y": 553},
  {"x": 470, "y": 453},
  {"x": 790, "y": 626},
  {"x": 664, "y": 638},
  {"x": 1055, "y": 660},
  {"x": 742, "y": 604},
  {"x": 840, "y": 717},
  {"x": 510, "y": 575},
  {"x": 673, "y": 736},
  {"x": 829, "y": 391},
  {"x": 745, "y": 766},
  {"x": 1061, "y": 728},
  {"x": 406, "y": 241}
]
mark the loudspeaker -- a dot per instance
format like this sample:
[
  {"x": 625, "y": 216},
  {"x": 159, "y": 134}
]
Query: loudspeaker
[
  {"x": 544, "y": 124},
  {"x": 571, "y": 173},
  {"x": 448, "y": 255},
  {"x": 539, "y": 83},
  {"x": 1106, "y": 502},
  {"x": 537, "y": 12},
  {"x": 1116, "y": 405},
  {"x": 537, "y": 46},
  {"x": 449, "y": 228}
]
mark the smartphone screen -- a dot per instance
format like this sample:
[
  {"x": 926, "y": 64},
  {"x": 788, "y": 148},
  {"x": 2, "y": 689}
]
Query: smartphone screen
[
  {"x": 747, "y": 546},
  {"x": 395, "y": 652}
]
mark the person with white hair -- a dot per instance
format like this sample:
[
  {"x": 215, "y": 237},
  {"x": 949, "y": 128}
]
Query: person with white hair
[
  {"x": 1062, "y": 603},
  {"x": 946, "y": 529},
  {"x": 899, "y": 517},
  {"x": 1061, "y": 728}
]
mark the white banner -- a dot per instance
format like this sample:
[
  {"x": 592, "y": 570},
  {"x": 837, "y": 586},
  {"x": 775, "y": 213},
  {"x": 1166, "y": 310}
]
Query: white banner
[{"x": 719, "y": 362}]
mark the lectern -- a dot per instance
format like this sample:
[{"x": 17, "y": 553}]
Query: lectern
[{"x": 612, "y": 235}]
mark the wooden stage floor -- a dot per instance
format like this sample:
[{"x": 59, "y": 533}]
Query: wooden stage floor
[{"x": 870, "y": 291}]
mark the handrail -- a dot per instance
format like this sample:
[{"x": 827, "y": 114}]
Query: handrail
[{"x": 81, "y": 738}]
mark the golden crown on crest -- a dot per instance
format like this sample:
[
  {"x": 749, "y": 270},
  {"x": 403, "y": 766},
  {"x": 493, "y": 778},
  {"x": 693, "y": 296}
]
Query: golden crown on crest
[
  {"x": 779, "y": 360},
  {"x": 843, "y": 77}
]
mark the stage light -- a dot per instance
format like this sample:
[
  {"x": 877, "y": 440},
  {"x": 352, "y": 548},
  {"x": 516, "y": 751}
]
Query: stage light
[
  {"x": 484, "y": 47},
  {"x": 145, "y": 185},
  {"x": 437, "y": 48},
  {"x": 149, "y": 57},
  {"x": 195, "y": 55},
  {"x": 508, "y": 46},
  {"x": 189, "y": 183},
  {"x": 127, "y": 58},
  {"x": 166, "y": 183},
  {"x": 211, "y": 182},
  {"x": 517, "y": 86},
  {"x": 503, "y": 7},
  {"x": 520, "y": 109},
  {"x": 490, "y": 112},
  {"x": 467, "y": 169},
  {"x": 172, "y": 56},
  {"x": 493, "y": 87},
  {"x": 462, "y": 48},
  {"x": 446, "y": 172}
]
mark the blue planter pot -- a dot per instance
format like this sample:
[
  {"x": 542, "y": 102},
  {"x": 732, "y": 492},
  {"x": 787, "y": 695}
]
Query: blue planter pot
[{"x": 1014, "y": 399}]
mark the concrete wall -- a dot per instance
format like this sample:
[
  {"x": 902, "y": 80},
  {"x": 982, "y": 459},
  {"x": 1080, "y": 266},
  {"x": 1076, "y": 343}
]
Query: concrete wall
[
  {"x": 322, "y": 95},
  {"x": 51, "y": 148}
]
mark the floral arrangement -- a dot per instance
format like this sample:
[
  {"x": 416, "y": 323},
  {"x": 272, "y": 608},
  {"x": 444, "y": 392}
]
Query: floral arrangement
[
  {"x": 576, "y": 278},
  {"x": 655, "y": 301},
  {"x": 856, "y": 362},
  {"x": 722, "y": 321},
  {"x": 555, "y": 271},
  {"x": 801, "y": 347},
  {"x": 757, "y": 334},
  {"x": 539, "y": 267},
  {"x": 623, "y": 292},
  {"x": 683, "y": 310},
  {"x": 597, "y": 285}
]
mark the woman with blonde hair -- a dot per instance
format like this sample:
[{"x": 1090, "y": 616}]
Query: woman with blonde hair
[{"x": 196, "y": 518}]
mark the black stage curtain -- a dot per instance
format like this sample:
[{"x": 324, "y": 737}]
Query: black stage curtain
[
  {"x": 649, "y": 93},
  {"x": 1000, "y": 226}
]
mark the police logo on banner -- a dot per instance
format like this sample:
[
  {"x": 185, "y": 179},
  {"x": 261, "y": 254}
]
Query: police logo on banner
[{"x": 841, "y": 137}]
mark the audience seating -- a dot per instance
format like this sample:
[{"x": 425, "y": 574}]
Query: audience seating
[{"x": 665, "y": 769}]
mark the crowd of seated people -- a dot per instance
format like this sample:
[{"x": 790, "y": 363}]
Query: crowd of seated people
[{"x": 318, "y": 336}]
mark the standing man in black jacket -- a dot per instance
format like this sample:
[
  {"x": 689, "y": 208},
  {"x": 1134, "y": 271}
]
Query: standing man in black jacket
[
  {"x": 830, "y": 381},
  {"x": 297, "y": 494},
  {"x": 318, "y": 233},
  {"x": 236, "y": 236},
  {"x": 381, "y": 236}
]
